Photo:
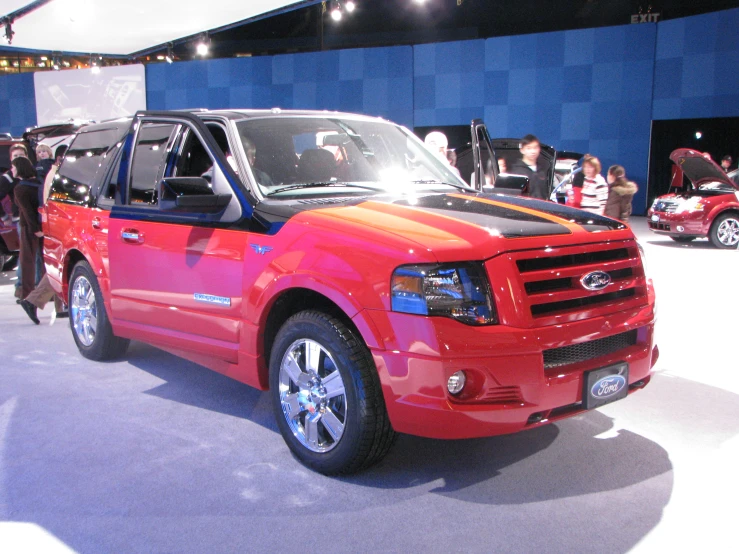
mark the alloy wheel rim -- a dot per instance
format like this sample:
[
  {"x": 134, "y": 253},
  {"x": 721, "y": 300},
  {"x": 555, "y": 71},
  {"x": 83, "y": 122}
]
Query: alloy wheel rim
[
  {"x": 728, "y": 232},
  {"x": 83, "y": 311},
  {"x": 312, "y": 396}
]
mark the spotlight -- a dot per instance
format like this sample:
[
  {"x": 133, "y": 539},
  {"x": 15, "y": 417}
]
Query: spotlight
[
  {"x": 336, "y": 13},
  {"x": 350, "y": 6},
  {"x": 94, "y": 65},
  {"x": 698, "y": 135},
  {"x": 203, "y": 46}
]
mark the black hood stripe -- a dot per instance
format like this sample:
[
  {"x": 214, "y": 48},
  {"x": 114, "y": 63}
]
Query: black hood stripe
[
  {"x": 589, "y": 222},
  {"x": 498, "y": 220}
]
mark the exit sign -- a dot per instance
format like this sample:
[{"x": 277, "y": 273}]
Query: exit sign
[{"x": 645, "y": 18}]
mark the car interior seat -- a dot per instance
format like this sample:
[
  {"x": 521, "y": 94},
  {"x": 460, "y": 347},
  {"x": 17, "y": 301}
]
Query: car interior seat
[{"x": 316, "y": 166}]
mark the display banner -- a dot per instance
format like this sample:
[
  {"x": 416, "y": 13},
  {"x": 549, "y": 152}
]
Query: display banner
[{"x": 89, "y": 94}]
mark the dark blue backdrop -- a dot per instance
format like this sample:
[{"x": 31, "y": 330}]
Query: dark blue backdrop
[{"x": 592, "y": 90}]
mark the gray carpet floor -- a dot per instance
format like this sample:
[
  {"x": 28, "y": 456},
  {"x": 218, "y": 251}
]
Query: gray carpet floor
[{"x": 156, "y": 454}]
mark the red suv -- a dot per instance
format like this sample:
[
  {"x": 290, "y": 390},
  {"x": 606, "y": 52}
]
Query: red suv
[
  {"x": 707, "y": 206},
  {"x": 334, "y": 260}
]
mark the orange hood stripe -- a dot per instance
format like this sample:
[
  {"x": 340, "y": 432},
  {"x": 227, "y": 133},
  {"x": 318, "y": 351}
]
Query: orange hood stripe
[{"x": 572, "y": 227}]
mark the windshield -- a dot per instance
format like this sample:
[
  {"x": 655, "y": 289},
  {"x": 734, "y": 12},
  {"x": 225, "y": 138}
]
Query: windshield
[{"x": 293, "y": 153}]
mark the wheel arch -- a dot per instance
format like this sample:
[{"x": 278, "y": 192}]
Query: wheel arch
[
  {"x": 291, "y": 301},
  {"x": 71, "y": 259}
]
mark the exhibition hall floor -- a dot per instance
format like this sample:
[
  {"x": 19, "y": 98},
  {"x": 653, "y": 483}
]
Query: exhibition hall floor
[{"x": 154, "y": 454}]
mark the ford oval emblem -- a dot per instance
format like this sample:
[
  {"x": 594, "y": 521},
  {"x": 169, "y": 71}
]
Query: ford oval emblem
[
  {"x": 608, "y": 386},
  {"x": 596, "y": 280}
]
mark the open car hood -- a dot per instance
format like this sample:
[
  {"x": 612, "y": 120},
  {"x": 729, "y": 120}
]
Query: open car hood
[{"x": 700, "y": 169}]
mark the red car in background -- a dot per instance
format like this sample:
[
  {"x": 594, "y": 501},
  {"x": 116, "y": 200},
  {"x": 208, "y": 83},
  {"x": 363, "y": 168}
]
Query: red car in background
[{"x": 706, "y": 206}]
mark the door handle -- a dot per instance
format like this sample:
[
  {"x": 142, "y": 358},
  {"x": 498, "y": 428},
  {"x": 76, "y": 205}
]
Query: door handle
[
  {"x": 96, "y": 223},
  {"x": 132, "y": 236}
]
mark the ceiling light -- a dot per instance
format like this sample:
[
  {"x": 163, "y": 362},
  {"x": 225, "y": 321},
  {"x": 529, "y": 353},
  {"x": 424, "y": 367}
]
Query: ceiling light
[
  {"x": 203, "y": 46},
  {"x": 698, "y": 135},
  {"x": 336, "y": 14},
  {"x": 44, "y": 58},
  {"x": 350, "y": 6}
]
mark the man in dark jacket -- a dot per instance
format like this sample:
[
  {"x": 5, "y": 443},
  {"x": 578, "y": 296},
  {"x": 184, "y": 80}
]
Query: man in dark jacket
[
  {"x": 8, "y": 182},
  {"x": 530, "y": 165}
]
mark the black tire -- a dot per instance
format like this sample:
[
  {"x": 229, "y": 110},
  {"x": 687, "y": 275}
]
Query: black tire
[
  {"x": 731, "y": 218},
  {"x": 105, "y": 345},
  {"x": 683, "y": 239},
  {"x": 367, "y": 433}
]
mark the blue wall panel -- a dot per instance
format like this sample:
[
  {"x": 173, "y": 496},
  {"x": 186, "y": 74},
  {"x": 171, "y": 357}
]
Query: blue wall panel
[
  {"x": 588, "y": 90},
  {"x": 697, "y": 67},
  {"x": 17, "y": 103},
  {"x": 585, "y": 90},
  {"x": 376, "y": 81}
]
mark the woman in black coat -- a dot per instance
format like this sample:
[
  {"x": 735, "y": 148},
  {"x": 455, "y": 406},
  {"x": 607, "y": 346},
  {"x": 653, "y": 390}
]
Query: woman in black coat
[{"x": 26, "y": 194}]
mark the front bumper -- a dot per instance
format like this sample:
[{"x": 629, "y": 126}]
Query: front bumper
[
  {"x": 514, "y": 390},
  {"x": 692, "y": 223}
]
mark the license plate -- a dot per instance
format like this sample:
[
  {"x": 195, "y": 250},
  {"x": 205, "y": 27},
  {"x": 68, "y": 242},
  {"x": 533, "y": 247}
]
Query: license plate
[
  {"x": 605, "y": 385},
  {"x": 655, "y": 218}
]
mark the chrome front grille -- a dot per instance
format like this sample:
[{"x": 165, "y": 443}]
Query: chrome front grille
[
  {"x": 665, "y": 206},
  {"x": 551, "y": 281}
]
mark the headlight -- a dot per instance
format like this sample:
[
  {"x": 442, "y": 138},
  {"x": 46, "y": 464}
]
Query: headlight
[{"x": 458, "y": 291}]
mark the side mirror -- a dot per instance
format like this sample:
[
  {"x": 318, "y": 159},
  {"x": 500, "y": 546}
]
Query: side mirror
[
  {"x": 191, "y": 195},
  {"x": 507, "y": 183}
]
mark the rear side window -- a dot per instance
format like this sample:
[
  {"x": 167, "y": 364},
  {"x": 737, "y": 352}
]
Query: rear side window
[
  {"x": 149, "y": 158},
  {"x": 85, "y": 157}
]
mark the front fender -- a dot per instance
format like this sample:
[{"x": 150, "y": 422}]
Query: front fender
[{"x": 259, "y": 307}]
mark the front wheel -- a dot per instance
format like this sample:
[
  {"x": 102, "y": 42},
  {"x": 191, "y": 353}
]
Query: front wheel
[
  {"x": 326, "y": 395},
  {"x": 88, "y": 319},
  {"x": 725, "y": 231}
]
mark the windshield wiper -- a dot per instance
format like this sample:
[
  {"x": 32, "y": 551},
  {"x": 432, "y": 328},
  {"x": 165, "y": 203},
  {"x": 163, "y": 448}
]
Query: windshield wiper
[
  {"x": 436, "y": 182},
  {"x": 320, "y": 185}
]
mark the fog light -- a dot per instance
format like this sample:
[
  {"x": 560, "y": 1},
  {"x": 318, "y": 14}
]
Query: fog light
[
  {"x": 456, "y": 382},
  {"x": 680, "y": 228}
]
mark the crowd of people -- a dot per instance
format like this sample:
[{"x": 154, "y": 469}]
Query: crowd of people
[
  {"x": 23, "y": 190},
  {"x": 588, "y": 191}
]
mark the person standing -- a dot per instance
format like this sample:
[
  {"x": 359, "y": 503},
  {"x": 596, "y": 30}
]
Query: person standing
[
  {"x": 59, "y": 156},
  {"x": 620, "y": 193},
  {"x": 44, "y": 161},
  {"x": 589, "y": 190},
  {"x": 27, "y": 197},
  {"x": 726, "y": 163},
  {"x": 532, "y": 166}
]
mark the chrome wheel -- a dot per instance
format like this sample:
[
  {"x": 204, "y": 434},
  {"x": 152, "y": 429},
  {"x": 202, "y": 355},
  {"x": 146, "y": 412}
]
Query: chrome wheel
[
  {"x": 728, "y": 232},
  {"x": 312, "y": 395},
  {"x": 83, "y": 311}
]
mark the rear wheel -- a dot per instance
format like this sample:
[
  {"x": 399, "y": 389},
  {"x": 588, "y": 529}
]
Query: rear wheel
[
  {"x": 88, "y": 319},
  {"x": 326, "y": 395},
  {"x": 725, "y": 231},
  {"x": 683, "y": 239}
]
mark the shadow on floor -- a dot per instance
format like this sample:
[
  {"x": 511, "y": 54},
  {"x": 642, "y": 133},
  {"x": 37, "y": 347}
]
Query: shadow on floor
[{"x": 557, "y": 461}]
